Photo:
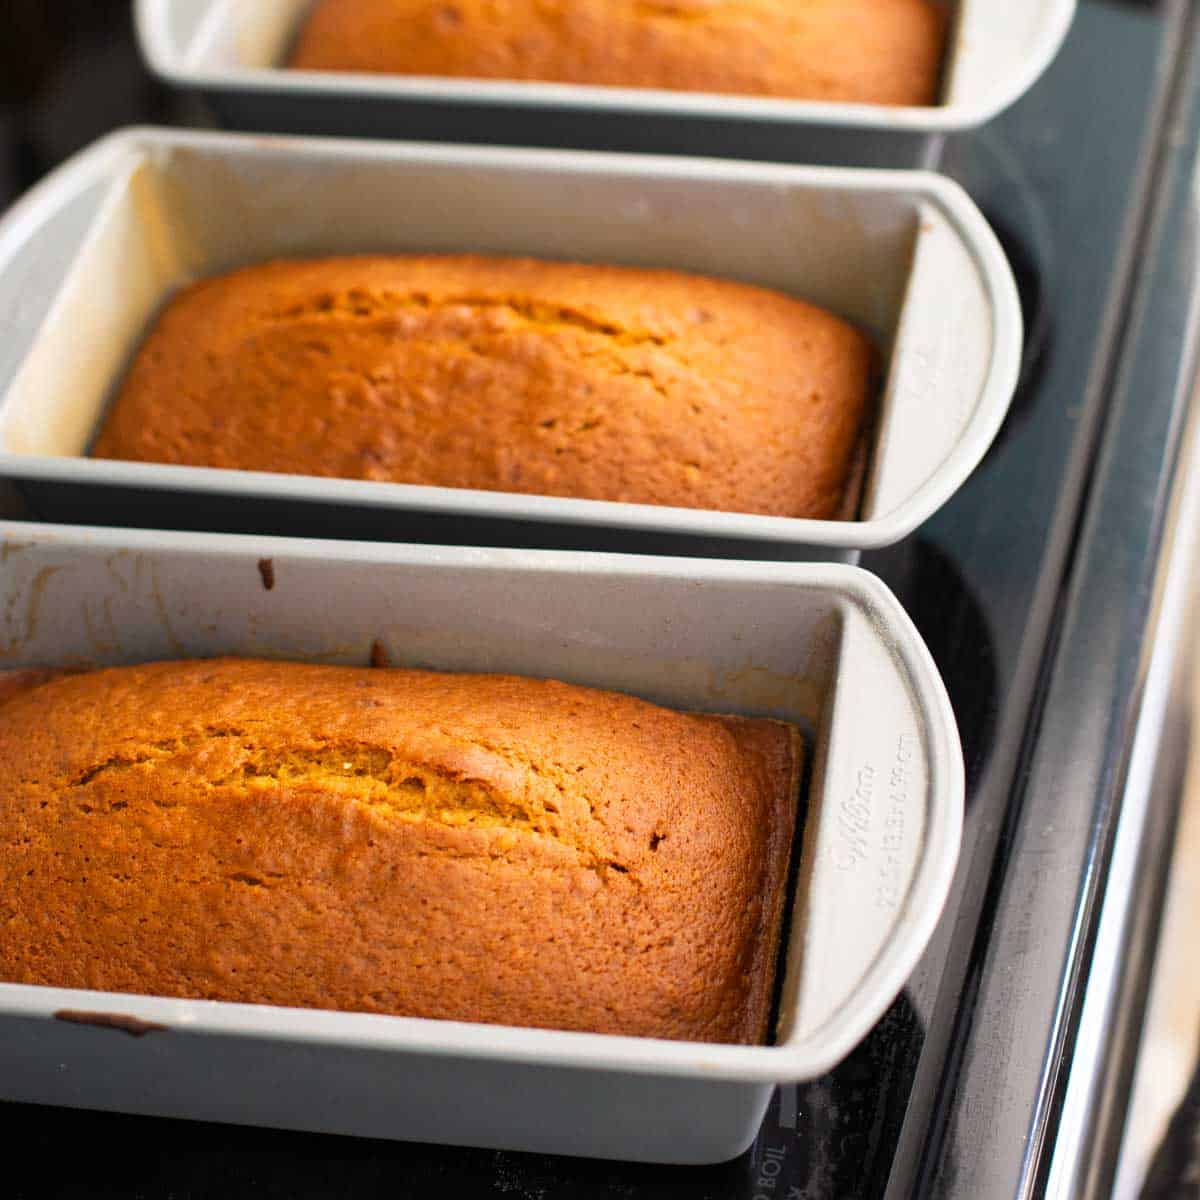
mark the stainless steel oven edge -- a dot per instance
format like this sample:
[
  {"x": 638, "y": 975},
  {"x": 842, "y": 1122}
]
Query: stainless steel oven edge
[{"x": 1034, "y": 1103}]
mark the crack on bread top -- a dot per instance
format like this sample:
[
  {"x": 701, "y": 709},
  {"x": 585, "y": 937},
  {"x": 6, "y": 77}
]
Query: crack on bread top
[
  {"x": 361, "y": 303},
  {"x": 391, "y": 785}
]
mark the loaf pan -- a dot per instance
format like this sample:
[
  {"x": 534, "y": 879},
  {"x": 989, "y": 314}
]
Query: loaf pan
[
  {"x": 230, "y": 53},
  {"x": 825, "y": 645},
  {"x": 905, "y": 255}
]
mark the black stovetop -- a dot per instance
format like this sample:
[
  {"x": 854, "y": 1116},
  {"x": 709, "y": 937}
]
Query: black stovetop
[{"x": 932, "y": 1103}]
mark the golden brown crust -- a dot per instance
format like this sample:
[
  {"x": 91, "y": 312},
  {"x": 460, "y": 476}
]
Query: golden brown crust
[
  {"x": 479, "y": 848},
  {"x": 511, "y": 375},
  {"x": 865, "y": 51}
]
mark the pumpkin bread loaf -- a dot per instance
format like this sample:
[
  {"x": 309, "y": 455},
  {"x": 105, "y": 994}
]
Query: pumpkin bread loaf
[
  {"x": 468, "y": 847},
  {"x": 509, "y": 375},
  {"x": 852, "y": 51}
]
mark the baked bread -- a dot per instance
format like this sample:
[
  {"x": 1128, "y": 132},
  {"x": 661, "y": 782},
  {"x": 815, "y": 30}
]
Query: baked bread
[
  {"x": 857, "y": 51},
  {"x": 510, "y": 375},
  {"x": 468, "y": 847}
]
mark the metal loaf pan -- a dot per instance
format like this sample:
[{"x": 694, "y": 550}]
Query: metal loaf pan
[
  {"x": 230, "y": 53},
  {"x": 905, "y": 255},
  {"x": 824, "y": 645}
]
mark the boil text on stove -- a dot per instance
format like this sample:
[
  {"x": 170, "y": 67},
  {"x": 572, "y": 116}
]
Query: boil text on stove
[{"x": 768, "y": 1172}]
